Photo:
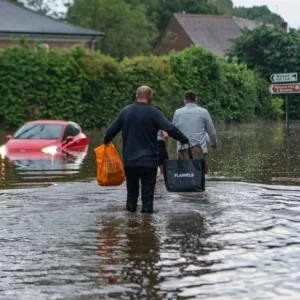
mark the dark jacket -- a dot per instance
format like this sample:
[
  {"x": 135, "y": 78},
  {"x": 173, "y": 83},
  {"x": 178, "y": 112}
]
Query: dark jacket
[{"x": 139, "y": 123}]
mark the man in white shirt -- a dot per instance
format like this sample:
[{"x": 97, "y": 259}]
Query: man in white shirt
[{"x": 195, "y": 122}]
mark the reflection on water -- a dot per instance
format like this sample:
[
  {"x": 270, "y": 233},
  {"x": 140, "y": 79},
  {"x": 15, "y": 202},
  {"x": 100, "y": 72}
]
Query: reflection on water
[
  {"x": 128, "y": 250},
  {"x": 236, "y": 240},
  {"x": 33, "y": 169},
  {"x": 254, "y": 152}
]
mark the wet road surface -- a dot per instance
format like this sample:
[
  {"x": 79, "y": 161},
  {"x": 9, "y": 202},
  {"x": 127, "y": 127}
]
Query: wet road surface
[
  {"x": 64, "y": 237},
  {"x": 75, "y": 241}
]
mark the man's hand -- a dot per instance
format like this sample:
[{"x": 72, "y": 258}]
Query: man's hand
[
  {"x": 105, "y": 141},
  {"x": 186, "y": 141}
]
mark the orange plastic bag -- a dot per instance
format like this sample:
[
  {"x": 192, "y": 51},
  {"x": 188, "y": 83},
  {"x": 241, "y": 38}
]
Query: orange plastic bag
[{"x": 110, "y": 171}]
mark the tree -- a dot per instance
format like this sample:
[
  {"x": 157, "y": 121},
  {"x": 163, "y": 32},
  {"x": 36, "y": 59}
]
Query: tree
[
  {"x": 162, "y": 10},
  {"x": 270, "y": 50},
  {"x": 47, "y": 7},
  {"x": 257, "y": 13},
  {"x": 127, "y": 30},
  {"x": 224, "y": 6}
]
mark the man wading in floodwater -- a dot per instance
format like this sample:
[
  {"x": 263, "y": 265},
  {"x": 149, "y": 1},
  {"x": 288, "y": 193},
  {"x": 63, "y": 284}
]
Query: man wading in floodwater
[
  {"x": 194, "y": 122},
  {"x": 139, "y": 123}
]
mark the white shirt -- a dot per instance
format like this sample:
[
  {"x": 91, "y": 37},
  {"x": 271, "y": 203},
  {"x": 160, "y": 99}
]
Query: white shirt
[
  {"x": 160, "y": 135},
  {"x": 195, "y": 122}
]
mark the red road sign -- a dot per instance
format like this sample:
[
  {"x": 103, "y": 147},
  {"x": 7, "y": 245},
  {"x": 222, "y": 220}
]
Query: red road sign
[{"x": 288, "y": 88}]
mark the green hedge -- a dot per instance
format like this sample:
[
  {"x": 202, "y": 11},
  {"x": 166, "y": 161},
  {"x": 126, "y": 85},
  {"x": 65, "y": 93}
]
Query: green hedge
[{"x": 91, "y": 88}]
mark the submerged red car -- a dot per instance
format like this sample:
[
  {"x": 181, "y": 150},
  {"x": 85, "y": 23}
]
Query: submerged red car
[{"x": 43, "y": 139}]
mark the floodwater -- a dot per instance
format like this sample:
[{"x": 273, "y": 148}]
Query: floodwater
[{"x": 64, "y": 237}]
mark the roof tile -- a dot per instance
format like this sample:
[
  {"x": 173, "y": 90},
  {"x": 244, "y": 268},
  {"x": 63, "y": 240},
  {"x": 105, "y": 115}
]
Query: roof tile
[
  {"x": 18, "y": 19},
  {"x": 214, "y": 32}
]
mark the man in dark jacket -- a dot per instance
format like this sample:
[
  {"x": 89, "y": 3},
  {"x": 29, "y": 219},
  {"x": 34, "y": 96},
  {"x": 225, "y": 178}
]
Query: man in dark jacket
[{"x": 139, "y": 123}]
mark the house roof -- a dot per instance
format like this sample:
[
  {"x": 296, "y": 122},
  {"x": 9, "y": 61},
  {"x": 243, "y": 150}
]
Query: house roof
[
  {"x": 214, "y": 32},
  {"x": 15, "y": 19}
]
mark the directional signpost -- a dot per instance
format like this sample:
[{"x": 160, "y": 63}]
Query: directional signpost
[
  {"x": 284, "y": 77},
  {"x": 283, "y": 84},
  {"x": 290, "y": 88}
]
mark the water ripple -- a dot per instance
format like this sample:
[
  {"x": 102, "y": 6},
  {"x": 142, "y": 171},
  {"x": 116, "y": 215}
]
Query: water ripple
[{"x": 75, "y": 241}]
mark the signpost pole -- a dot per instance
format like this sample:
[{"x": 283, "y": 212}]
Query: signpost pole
[
  {"x": 288, "y": 139},
  {"x": 285, "y": 83},
  {"x": 287, "y": 114},
  {"x": 287, "y": 119}
]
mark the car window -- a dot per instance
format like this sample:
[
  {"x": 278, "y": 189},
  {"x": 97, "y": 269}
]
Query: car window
[
  {"x": 39, "y": 131},
  {"x": 71, "y": 130}
]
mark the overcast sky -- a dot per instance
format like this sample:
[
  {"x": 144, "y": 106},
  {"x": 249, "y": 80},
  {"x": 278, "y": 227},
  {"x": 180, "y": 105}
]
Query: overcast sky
[{"x": 288, "y": 9}]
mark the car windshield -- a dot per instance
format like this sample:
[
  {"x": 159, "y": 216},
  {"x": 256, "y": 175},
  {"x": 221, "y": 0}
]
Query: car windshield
[{"x": 39, "y": 131}]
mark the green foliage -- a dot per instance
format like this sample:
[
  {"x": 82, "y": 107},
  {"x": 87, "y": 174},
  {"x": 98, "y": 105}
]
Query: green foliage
[
  {"x": 276, "y": 104},
  {"x": 128, "y": 31},
  {"x": 270, "y": 50},
  {"x": 198, "y": 69},
  {"x": 267, "y": 107},
  {"x": 162, "y": 10},
  {"x": 132, "y": 27},
  {"x": 224, "y": 6},
  {"x": 257, "y": 13},
  {"x": 62, "y": 84},
  {"x": 238, "y": 94},
  {"x": 91, "y": 88},
  {"x": 153, "y": 71},
  {"x": 100, "y": 97}
]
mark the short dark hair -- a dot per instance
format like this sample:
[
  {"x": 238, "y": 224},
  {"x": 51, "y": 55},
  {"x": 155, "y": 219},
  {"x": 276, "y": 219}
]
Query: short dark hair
[{"x": 190, "y": 96}]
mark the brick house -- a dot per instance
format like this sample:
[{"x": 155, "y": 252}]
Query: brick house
[
  {"x": 214, "y": 32},
  {"x": 17, "y": 21}
]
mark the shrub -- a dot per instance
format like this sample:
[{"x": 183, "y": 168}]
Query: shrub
[
  {"x": 237, "y": 92},
  {"x": 91, "y": 88},
  {"x": 153, "y": 71},
  {"x": 197, "y": 69}
]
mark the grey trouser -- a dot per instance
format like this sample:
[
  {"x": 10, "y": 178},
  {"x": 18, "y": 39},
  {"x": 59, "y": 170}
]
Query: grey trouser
[{"x": 195, "y": 152}]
